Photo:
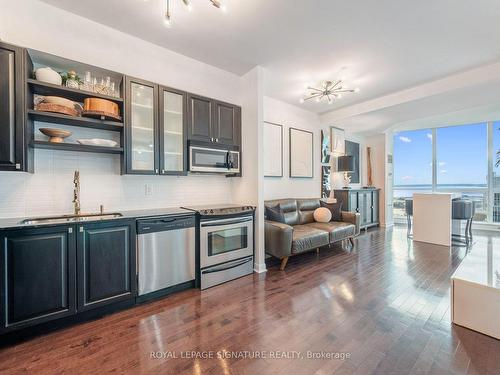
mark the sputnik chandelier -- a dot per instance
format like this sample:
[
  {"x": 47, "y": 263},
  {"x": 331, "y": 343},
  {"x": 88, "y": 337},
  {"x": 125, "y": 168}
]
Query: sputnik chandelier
[
  {"x": 329, "y": 91},
  {"x": 168, "y": 14}
]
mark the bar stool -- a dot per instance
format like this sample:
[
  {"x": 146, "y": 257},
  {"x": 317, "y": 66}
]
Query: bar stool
[
  {"x": 463, "y": 209},
  {"x": 409, "y": 214}
]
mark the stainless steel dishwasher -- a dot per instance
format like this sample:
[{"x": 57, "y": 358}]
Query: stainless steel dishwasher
[{"x": 166, "y": 253}]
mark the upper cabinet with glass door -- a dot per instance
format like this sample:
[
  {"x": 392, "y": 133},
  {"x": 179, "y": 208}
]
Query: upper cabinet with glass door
[
  {"x": 142, "y": 126},
  {"x": 172, "y": 131}
]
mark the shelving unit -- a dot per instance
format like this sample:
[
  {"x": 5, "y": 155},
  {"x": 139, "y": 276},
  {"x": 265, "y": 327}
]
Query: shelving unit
[
  {"x": 76, "y": 147},
  {"x": 86, "y": 122},
  {"x": 36, "y": 59},
  {"x": 43, "y": 88}
]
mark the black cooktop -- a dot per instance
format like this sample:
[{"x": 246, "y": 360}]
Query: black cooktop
[{"x": 220, "y": 209}]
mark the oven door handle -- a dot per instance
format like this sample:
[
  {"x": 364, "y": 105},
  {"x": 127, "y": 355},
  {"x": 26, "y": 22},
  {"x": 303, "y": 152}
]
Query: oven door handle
[
  {"x": 222, "y": 223},
  {"x": 227, "y": 267}
]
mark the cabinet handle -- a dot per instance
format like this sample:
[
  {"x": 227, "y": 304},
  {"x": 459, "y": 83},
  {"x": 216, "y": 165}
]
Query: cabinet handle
[
  {"x": 81, "y": 229},
  {"x": 156, "y": 171},
  {"x": 18, "y": 166},
  {"x": 70, "y": 230},
  {"x": 163, "y": 171}
]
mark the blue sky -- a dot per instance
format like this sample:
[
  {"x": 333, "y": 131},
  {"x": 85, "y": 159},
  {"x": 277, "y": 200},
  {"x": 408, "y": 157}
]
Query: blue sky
[{"x": 461, "y": 155}]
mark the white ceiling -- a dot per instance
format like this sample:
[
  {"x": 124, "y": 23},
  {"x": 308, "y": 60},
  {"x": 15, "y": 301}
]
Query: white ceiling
[{"x": 384, "y": 45}]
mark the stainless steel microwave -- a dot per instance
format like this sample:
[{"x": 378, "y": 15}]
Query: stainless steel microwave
[{"x": 213, "y": 160}]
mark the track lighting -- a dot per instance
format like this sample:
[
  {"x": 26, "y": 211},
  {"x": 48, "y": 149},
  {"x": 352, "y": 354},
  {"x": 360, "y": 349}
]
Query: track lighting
[{"x": 168, "y": 16}]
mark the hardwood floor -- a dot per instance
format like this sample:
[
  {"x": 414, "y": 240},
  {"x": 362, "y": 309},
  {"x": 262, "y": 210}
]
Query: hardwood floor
[{"x": 386, "y": 303}]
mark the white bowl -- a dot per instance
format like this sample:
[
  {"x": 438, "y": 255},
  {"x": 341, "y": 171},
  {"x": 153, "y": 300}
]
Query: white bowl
[
  {"x": 97, "y": 142},
  {"x": 48, "y": 75}
]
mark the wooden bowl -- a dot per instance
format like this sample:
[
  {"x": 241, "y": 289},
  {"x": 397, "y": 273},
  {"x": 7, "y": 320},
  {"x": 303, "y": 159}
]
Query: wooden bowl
[
  {"x": 101, "y": 108},
  {"x": 55, "y": 135}
]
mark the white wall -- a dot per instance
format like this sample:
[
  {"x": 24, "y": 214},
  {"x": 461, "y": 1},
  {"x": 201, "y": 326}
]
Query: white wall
[
  {"x": 37, "y": 25},
  {"x": 278, "y": 112},
  {"x": 249, "y": 188}
]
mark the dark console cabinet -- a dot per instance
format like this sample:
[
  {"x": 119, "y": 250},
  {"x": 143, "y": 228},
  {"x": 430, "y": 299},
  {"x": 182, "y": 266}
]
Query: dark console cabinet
[{"x": 363, "y": 201}]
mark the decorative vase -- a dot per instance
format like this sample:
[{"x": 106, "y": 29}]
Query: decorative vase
[{"x": 72, "y": 81}]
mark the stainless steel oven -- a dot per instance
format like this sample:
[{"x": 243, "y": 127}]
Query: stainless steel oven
[
  {"x": 213, "y": 160},
  {"x": 226, "y": 239},
  {"x": 226, "y": 249}
]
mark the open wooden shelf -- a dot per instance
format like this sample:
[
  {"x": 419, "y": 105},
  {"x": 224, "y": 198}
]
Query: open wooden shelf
[
  {"x": 87, "y": 122},
  {"x": 76, "y": 147},
  {"x": 43, "y": 88}
]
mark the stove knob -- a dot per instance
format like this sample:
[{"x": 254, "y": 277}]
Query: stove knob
[
  {"x": 211, "y": 211},
  {"x": 205, "y": 212}
]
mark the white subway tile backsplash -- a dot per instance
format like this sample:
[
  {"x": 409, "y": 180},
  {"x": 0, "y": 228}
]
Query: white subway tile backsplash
[{"x": 50, "y": 190}]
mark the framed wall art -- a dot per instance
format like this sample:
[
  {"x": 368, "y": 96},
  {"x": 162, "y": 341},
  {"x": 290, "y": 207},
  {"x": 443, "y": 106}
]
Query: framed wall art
[
  {"x": 337, "y": 141},
  {"x": 301, "y": 153},
  {"x": 325, "y": 147},
  {"x": 273, "y": 150}
]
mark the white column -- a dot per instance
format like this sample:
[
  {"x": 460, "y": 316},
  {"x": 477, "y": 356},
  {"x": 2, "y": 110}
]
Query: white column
[{"x": 249, "y": 189}]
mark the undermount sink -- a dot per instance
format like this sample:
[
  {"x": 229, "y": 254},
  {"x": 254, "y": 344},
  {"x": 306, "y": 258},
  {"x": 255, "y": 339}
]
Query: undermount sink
[{"x": 71, "y": 218}]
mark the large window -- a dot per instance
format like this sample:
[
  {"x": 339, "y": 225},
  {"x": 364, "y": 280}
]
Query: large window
[
  {"x": 449, "y": 159},
  {"x": 412, "y": 166},
  {"x": 462, "y": 164}
]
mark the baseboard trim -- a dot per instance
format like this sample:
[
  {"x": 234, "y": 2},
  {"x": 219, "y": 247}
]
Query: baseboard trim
[
  {"x": 387, "y": 225},
  {"x": 259, "y": 267}
]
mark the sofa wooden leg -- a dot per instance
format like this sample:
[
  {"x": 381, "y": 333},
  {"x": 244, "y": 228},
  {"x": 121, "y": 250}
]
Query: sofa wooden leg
[
  {"x": 351, "y": 240},
  {"x": 283, "y": 263},
  {"x": 317, "y": 250}
]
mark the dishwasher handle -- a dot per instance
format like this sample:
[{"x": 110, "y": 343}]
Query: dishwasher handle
[{"x": 163, "y": 224}]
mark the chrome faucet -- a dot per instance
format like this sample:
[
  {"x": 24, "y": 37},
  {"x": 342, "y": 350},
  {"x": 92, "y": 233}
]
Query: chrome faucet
[{"x": 76, "y": 193}]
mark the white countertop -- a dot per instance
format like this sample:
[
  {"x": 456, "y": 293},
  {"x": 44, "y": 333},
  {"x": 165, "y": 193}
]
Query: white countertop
[{"x": 482, "y": 267}]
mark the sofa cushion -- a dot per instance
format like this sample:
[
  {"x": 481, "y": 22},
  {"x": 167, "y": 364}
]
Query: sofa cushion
[
  {"x": 306, "y": 209},
  {"x": 335, "y": 209},
  {"x": 289, "y": 207},
  {"x": 306, "y": 238},
  {"x": 337, "y": 230},
  {"x": 275, "y": 214}
]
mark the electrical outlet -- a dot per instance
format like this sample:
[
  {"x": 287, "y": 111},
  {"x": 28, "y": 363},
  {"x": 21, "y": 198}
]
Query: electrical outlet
[{"x": 148, "y": 189}]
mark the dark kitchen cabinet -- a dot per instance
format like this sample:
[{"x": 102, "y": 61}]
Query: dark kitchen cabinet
[
  {"x": 200, "y": 118},
  {"x": 106, "y": 263},
  {"x": 213, "y": 121},
  {"x": 155, "y": 129},
  {"x": 14, "y": 152},
  {"x": 141, "y": 127},
  {"x": 227, "y": 123},
  {"x": 37, "y": 276},
  {"x": 363, "y": 201}
]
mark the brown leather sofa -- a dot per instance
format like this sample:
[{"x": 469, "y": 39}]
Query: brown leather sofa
[{"x": 301, "y": 233}]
